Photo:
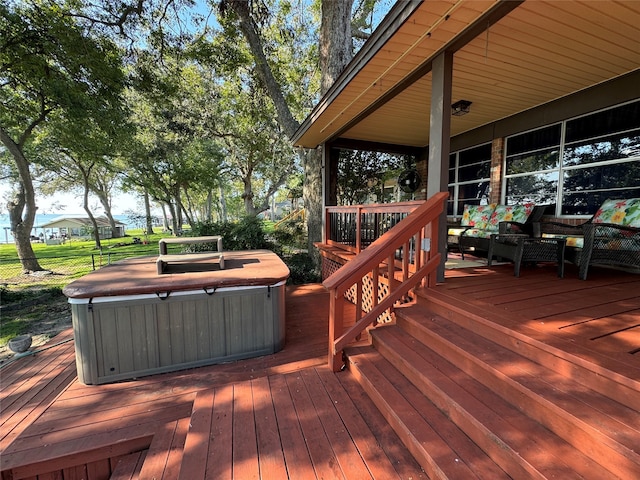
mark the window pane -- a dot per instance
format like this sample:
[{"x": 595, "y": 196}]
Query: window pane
[
  {"x": 605, "y": 177},
  {"x": 472, "y": 194},
  {"x": 587, "y": 203},
  {"x": 624, "y": 117},
  {"x": 614, "y": 147},
  {"x": 540, "y": 188},
  {"x": 450, "y": 202},
  {"x": 474, "y": 172},
  {"x": 475, "y": 155},
  {"x": 536, "y": 140},
  {"x": 544, "y": 160}
]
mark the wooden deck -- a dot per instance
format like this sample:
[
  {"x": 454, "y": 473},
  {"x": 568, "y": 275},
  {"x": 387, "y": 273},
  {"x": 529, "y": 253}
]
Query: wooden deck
[{"x": 283, "y": 415}]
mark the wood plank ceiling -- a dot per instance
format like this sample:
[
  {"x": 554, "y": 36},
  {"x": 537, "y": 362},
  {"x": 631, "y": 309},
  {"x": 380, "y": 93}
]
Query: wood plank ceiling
[{"x": 539, "y": 52}]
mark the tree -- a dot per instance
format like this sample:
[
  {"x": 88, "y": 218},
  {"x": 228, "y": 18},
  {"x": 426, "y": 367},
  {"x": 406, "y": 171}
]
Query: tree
[
  {"x": 335, "y": 51},
  {"x": 174, "y": 156},
  {"x": 362, "y": 174},
  {"x": 51, "y": 63}
]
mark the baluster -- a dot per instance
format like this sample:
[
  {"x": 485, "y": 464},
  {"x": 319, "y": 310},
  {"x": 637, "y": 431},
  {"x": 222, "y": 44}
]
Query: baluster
[
  {"x": 359, "y": 230},
  {"x": 406, "y": 253},
  {"x": 336, "y": 328},
  {"x": 375, "y": 284}
]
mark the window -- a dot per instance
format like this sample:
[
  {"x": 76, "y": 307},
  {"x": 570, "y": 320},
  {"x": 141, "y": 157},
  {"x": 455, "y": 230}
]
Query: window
[
  {"x": 576, "y": 164},
  {"x": 469, "y": 174}
]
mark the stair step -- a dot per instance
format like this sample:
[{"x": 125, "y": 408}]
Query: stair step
[
  {"x": 555, "y": 354},
  {"x": 441, "y": 448},
  {"x": 164, "y": 456},
  {"x": 128, "y": 467},
  {"x": 601, "y": 428},
  {"x": 490, "y": 420},
  {"x": 521, "y": 446}
]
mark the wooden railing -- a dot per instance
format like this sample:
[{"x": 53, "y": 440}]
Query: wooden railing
[
  {"x": 355, "y": 227},
  {"x": 420, "y": 230}
]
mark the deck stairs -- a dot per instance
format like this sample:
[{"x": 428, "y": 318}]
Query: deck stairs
[{"x": 472, "y": 399}]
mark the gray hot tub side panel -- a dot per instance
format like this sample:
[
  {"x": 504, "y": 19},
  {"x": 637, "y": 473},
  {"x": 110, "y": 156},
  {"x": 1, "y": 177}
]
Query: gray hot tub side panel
[{"x": 121, "y": 339}]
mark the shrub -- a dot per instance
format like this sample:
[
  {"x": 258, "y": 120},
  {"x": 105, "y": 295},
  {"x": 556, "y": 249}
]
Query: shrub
[
  {"x": 247, "y": 234},
  {"x": 302, "y": 269}
]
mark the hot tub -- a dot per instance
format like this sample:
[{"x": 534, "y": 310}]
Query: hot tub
[{"x": 129, "y": 322}]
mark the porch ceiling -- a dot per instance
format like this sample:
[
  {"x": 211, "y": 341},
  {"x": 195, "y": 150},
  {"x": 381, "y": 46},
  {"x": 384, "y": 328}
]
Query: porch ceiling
[{"x": 537, "y": 52}]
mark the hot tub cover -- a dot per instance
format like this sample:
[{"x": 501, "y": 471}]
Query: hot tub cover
[{"x": 136, "y": 276}]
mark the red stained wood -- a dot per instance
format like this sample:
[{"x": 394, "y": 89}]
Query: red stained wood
[
  {"x": 245, "y": 454},
  {"x": 296, "y": 455},
  {"x": 320, "y": 449},
  {"x": 337, "y": 434},
  {"x": 220, "y": 457},
  {"x": 156, "y": 461},
  {"x": 270, "y": 454},
  {"x": 128, "y": 466},
  {"x": 288, "y": 412},
  {"x": 196, "y": 446}
]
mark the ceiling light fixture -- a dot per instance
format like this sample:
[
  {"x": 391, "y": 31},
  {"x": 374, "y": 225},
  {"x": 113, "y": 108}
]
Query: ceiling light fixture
[{"x": 461, "y": 107}]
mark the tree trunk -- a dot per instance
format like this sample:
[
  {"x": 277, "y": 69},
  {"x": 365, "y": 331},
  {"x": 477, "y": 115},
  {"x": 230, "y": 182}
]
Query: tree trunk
[
  {"x": 104, "y": 201},
  {"x": 22, "y": 208},
  {"x": 21, "y": 230},
  {"x": 247, "y": 197},
  {"x": 335, "y": 52},
  {"x": 223, "y": 206},
  {"x": 165, "y": 219},
  {"x": 312, "y": 195},
  {"x": 147, "y": 212},
  {"x": 336, "y": 44},
  {"x": 85, "y": 204}
]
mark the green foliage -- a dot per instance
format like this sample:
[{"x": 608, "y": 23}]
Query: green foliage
[
  {"x": 302, "y": 269},
  {"x": 362, "y": 175},
  {"x": 292, "y": 233},
  {"x": 247, "y": 234}
]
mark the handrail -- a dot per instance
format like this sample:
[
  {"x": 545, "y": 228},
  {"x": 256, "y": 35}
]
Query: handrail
[{"x": 418, "y": 263}]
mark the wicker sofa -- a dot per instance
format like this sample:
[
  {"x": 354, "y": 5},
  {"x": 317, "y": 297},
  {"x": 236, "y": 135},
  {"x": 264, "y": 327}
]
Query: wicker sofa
[
  {"x": 611, "y": 237},
  {"x": 479, "y": 222}
]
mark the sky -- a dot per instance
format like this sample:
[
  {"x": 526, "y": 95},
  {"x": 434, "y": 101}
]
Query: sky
[{"x": 71, "y": 204}]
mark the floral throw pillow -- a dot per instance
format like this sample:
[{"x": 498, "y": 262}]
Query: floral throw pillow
[
  {"x": 477, "y": 215},
  {"x": 619, "y": 212},
  {"x": 510, "y": 213}
]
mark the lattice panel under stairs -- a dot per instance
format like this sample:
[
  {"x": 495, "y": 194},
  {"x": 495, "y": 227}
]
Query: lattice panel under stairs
[{"x": 329, "y": 266}]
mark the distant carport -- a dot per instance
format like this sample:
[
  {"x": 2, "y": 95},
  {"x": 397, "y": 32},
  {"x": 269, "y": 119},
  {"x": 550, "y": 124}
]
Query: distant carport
[{"x": 78, "y": 227}]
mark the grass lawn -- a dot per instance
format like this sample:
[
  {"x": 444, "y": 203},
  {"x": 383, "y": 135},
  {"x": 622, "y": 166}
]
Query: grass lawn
[
  {"x": 72, "y": 259},
  {"x": 32, "y": 301}
]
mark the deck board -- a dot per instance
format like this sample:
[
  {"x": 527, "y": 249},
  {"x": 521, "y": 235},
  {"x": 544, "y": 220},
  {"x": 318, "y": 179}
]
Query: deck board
[
  {"x": 287, "y": 412},
  {"x": 270, "y": 453}
]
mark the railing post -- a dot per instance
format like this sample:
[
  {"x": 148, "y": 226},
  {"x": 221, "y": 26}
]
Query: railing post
[
  {"x": 336, "y": 327},
  {"x": 327, "y": 225},
  {"x": 359, "y": 230}
]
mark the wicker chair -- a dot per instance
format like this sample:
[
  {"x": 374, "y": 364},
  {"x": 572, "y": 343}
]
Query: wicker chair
[
  {"x": 610, "y": 237},
  {"x": 478, "y": 238}
]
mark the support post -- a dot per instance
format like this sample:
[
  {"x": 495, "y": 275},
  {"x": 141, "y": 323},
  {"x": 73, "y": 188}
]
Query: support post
[{"x": 439, "y": 141}]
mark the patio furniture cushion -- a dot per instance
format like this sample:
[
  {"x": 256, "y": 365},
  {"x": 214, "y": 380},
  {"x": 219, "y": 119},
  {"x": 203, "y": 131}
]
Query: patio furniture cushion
[
  {"x": 509, "y": 213},
  {"x": 477, "y": 215},
  {"x": 619, "y": 212},
  {"x": 572, "y": 241}
]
